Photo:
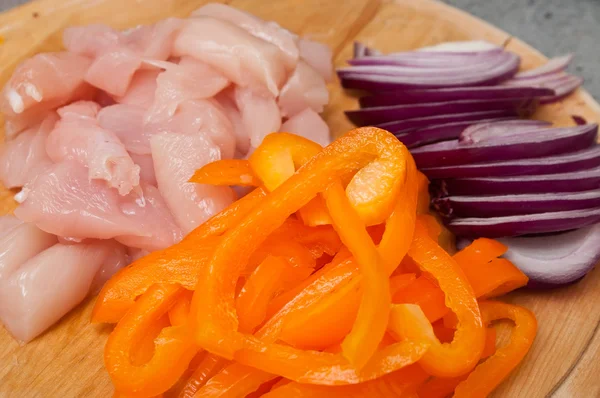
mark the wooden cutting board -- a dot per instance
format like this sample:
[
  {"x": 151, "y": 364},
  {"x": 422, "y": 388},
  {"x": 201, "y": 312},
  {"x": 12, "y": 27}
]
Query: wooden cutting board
[{"x": 66, "y": 361}]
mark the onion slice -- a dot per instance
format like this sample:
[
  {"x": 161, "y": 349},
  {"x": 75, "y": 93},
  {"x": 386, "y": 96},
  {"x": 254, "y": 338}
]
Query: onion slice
[
  {"x": 538, "y": 143},
  {"x": 452, "y": 94},
  {"x": 570, "y": 162},
  {"x": 510, "y": 205},
  {"x": 383, "y": 114},
  {"x": 585, "y": 180},
  {"x": 555, "y": 260},
  {"x": 554, "y": 65},
  {"x": 496, "y": 227},
  {"x": 485, "y": 131}
]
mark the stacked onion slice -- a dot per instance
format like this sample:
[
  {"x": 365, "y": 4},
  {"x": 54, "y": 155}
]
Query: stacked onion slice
[{"x": 433, "y": 93}]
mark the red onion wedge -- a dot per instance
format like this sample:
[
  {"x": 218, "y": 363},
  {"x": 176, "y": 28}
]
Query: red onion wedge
[
  {"x": 438, "y": 132},
  {"x": 585, "y": 180},
  {"x": 383, "y": 114},
  {"x": 576, "y": 161},
  {"x": 538, "y": 143},
  {"x": 401, "y": 126},
  {"x": 487, "y": 130},
  {"x": 554, "y": 65},
  {"x": 452, "y": 94},
  {"x": 510, "y": 205},
  {"x": 555, "y": 260},
  {"x": 496, "y": 227}
]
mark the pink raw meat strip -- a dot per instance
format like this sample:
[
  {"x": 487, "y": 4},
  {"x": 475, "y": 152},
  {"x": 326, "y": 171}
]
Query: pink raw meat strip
[
  {"x": 40, "y": 84},
  {"x": 176, "y": 158},
  {"x": 241, "y": 57},
  {"x": 270, "y": 32},
  {"x": 227, "y": 101},
  {"x": 22, "y": 158},
  {"x": 65, "y": 202},
  {"x": 127, "y": 123},
  {"x": 49, "y": 285},
  {"x": 141, "y": 89},
  {"x": 309, "y": 125},
  {"x": 305, "y": 88},
  {"x": 260, "y": 113},
  {"x": 318, "y": 56},
  {"x": 146, "y": 164},
  {"x": 78, "y": 136}
]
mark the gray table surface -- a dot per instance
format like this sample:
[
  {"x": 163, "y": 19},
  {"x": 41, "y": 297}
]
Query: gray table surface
[{"x": 554, "y": 27}]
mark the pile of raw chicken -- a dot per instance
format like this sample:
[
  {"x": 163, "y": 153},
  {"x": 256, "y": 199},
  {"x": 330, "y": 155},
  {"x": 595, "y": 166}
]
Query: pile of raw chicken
[{"x": 103, "y": 137}]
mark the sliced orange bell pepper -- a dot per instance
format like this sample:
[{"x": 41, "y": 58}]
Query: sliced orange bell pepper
[
  {"x": 462, "y": 354},
  {"x": 424, "y": 197},
  {"x": 142, "y": 352},
  {"x": 402, "y": 383},
  {"x": 373, "y": 313},
  {"x": 180, "y": 311},
  {"x": 489, "y": 374},
  {"x": 213, "y": 312},
  {"x": 226, "y": 172},
  {"x": 179, "y": 263},
  {"x": 400, "y": 281},
  {"x": 234, "y": 381},
  {"x": 173, "y": 348},
  {"x": 490, "y": 276},
  {"x": 426, "y": 294},
  {"x": 261, "y": 286},
  {"x": 207, "y": 368}
]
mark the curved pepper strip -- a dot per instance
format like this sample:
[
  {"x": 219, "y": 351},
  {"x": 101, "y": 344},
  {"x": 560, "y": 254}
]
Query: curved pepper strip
[
  {"x": 143, "y": 350},
  {"x": 489, "y": 374},
  {"x": 173, "y": 347},
  {"x": 373, "y": 312},
  {"x": 213, "y": 312},
  {"x": 402, "y": 383},
  {"x": 261, "y": 286},
  {"x": 424, "y": 197},
  {"x": 462, "y": 354},
  {"x": 226, "y": 172},
  {"x": 426, "y": 294},
  {"x": 207, "y": 368},
  {"x": 179, "y": 312},
  {"x": 179, "y": 263},
  {"x": 233, "y": 381}
]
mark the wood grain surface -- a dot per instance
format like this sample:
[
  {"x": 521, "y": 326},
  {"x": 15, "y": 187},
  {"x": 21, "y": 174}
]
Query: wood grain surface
[{"x": 66, "y": 361}]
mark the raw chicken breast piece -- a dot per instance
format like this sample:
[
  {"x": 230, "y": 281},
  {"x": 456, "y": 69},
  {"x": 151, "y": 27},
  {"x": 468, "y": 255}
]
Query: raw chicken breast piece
[
  {"x": 8, "y": 222},
  {"x": 116, "y": 259},
  {"x": 78, "y": 136},
  {"x": 153, "y": 41},
  {"x": 317, "y": 55},
  {"x": 203, "y": 116},
  {"x": 127, "y": 123},
  {"x": 146, "y": 164},
  {"x": 309, "y": 125},
  {"x": 49, "y": 285},
  {"x": 90, "y": 40},
  {"x": 113, "y": 71},
  {"x": 260, "y": 113},
  {"x": 188, "y": 80},
  {"x": 20, "y": 243},
  {"x": 40, "y": 84},
  {"x": 65, "y": 202},
  {"x": 241, "y": 57},
  {"x": 176, "y": 158},
  {"x": 305, "y": 88},
  {"x": 141, "y": 89},
  {"x": 23, "y": 158},
  {"x": 270, "y": 32},
  {"x": 242, "y": 138}
]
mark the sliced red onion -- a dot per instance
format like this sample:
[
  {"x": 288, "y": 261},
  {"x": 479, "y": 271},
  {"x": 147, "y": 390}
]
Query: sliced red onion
[
  {"x": 496, "y": 227},
  {"x": 544, "y": 142},
  {"x": 510, "y": 205},
  {"x": 553, "y": 65},
  {"x": 401, "y": 126},
  {"x": 564, "y": 88},
  {"x": 431, "y": 60},
  {"x": 585, "y": 180},
  {"x": 374, "y": 82},
  {"x": 555, "y": 260},
  {"x": 438, "y": 132},
  {"x": 451, "y": 94},
  {"x": 580, "y": 160},
  {"x": 383, "y": 114},
  {"x": 484, "y": 131},
  {"x": 562, "y": 83}
]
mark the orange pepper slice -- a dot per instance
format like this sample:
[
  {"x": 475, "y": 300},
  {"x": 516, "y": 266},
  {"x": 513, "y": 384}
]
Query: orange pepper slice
[
  {"x": 180, "y": 311},
  {"x": 462, "y": 354},
  {"x": 226, "y": 172},
  {"x": 207, "y": 368},
  {"x": 402, "y": 383},
  {"x": 426, "y": 294},
  {"x": 424, "y": 197},
  {"x": 489, "y": 374},
  {"x": 234, "y": 381},
  {"x": 173, "y": 348}
]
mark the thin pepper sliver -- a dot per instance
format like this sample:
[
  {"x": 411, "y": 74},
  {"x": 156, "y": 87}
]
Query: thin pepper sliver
[{"x": 226, "y": 172}]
